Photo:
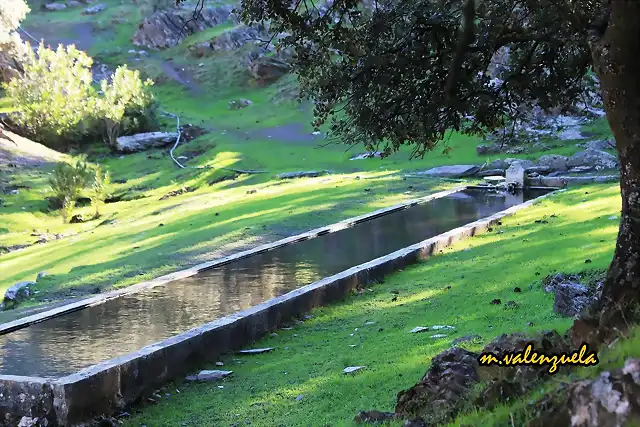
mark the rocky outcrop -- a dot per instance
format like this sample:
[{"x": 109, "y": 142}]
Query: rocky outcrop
[
  {"x": 144, "y": 141},
  {"x": 553, "y": 162},
  {"x": 268, "y": 69},
  {"x": 166, "y": 28},
  {"x": 229, "y": 40},
  {"x": 597, "y": 159},
  {"x": 572, "y": 297}
]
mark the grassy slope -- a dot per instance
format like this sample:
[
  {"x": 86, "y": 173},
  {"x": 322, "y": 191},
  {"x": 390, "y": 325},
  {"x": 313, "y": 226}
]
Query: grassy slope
[{"x": 453, "y": 288}]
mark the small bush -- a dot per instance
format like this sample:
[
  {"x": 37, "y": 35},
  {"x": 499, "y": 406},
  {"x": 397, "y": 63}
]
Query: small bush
[
  {"x": 99, "y": 189},
  {"x": 67, "y": 183}
]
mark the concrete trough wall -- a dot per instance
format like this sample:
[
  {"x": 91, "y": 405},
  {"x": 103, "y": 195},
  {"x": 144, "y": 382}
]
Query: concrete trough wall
[{"x": 112, "y": 385}]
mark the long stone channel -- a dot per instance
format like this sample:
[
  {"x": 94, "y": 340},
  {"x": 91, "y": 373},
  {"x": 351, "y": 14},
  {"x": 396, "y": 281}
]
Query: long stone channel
[{"x": 80, "y": 361}]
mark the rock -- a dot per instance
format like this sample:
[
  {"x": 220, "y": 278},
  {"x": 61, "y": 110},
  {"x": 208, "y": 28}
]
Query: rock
[
  {"x": 609, "y": 400},
  {"x": 491, "y": 172},
  {"x": 515, "y": 174},
  {"x": 554, "y": 162},
  {"x": 599, "y": 145},
  {"x": 239, "y": 103},
  {"x": 484, "y": 149},
  {"x": 517, "y": 150},
  {"x": 525, "y": 163},
  {"x": 454, "y": 171},
  {"x": 571, "y": 299},
  {"x": 374, "y": 417},
  {"x": 437, "y": 336},
  {"x": 442, "y": 327},
  {"x": 219, "y": 364},
  {"x": 55, "y": 6},
  {"x": 418, "y": 329},
  {"x": 466, "y": 338},
  {"x": 144, "y": 141},
  {"x": 441, "y": 393},
  {"x": 493, "y": 180},
  {"x": 77, "y": 219},
  {"x": 268, "y": 69},
  {"x": 369, "y": 155},
  {"x": 301, "y": 174},
  {"x": 30, "y": 422},
  {"x": 95, "y": 9},
  {"x": 212, "y": 375},
  {"x": 352, "y": 369},
  {"x": 299, "y": 397},
  {"x": 538, "y": 169},
  {"x": 73, "y": 3},
  {"x": 166, "y": 28},
  {"x": 541, "y": 146},
  {"x": 256, "y": 350},
  {"x": 41, "y": 275},
  {"x": 594, "y": 158},
  {"x": 581, "y": 169},
  {"x": 498, "y": 164},
  {"x": 17, "y": 293}
]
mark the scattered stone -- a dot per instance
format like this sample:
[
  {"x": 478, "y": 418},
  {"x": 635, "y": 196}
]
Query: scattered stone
[
  {"x": 436, "y": 336},
  {"x": 612, "y": 218},
  {"x": 95, "y": 9},
  {"x": 219, "y": 364},
  {"x": 454, "y": 171},
  {"x": 299, "y": 397},
  {"x": 554, "y": 162},
  {"x": 301, "y": 174},
  {"x": 144, "y": 141},
  {"x": 571, "y": 299},
  {"x": 370, "y": 323},
  {"x": 599, "y": 145},
  {"x": 252, "y": 191},
  {"x": 369, "y": 155},
  {"x": 352, "y": 369},
  {"x": 484, "y": 149},
  {"x": 496, "y": 301},
  {"x": 517, "y": 289},
  {"x": 77, "y": 219},
  {"x": 374, "y": 417},
  {"x": 256, "y": 350},
  {"x": 239, "y": 103},
  {"x": 178, "y": 192},
  {"x": 440, "y": 327},
  {"x": 55, "y": 6},
  {"x": 581, "y": 169},
  {"x": 41, "y": 275},
  {"x": 209, "y": 375},
  {"x": 418, "y": 329}
]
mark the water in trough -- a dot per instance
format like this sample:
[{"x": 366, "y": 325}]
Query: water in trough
[{"x": 66, "y": 344}]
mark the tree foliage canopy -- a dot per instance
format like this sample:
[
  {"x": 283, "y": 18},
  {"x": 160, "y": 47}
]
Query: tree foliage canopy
[
  {"x": 409, "y": 72},
  {"x": 11, "y": 13}
]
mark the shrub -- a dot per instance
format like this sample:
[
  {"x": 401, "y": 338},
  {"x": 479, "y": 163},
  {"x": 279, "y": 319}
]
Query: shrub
[
  {"x": 99, "y": 189},
  {"x": 67, "y": 182},
  {"x": 54, "y": 98},
  {"x": 126, "y": 105},
  {"x": 57, "y": 104}
]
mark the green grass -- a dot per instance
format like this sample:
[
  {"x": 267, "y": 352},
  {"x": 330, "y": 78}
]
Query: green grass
[{"x": 453, "y": 288}]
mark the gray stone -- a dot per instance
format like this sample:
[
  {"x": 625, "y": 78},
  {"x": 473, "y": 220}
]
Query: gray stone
[
  {"x": 525, "y": 163},
  {"x": 490, "y": 172},
  {"x": 41, "y": 275},
  {"x": 497, "y": 164},
  {"x": 256, "y": 350},
  {"x": 538, "y": 169},
  {"x": 453, "y": 171},
  {"x": 212, "y": 375},
  {"x": 554, "y": 162},
  {"x": 352, "y": 369},
  {"x": 419, "y": 329},
  {"x": 55, "y": 6},
  {"x": 571, "y": 299},
  {"x": 30, "y": 422},
  {"x": 73, "y": 3},
  {"x": 239, "y": 103},
  {"x": 494, "y": 179},
  {"x": 301, "y": 174},
  {"x": 594, "y": 158},
  {"x": 581, "y": 169},
  {"x": 95, "y": 9},
  {"x": 144, "y": 141},
  {"x": 17, "y": 293},
  {"x": 268, "y": 69},
  {"x": 515, "y": 174},
  {"x": 437, "y": 336},
  {"x": 484, "y": 149},
  {"x": 366, "y": 155},
  {"x": 599, "y": 145}
]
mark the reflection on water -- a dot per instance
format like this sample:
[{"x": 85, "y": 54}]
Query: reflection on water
[{"x": 74, "y": 341}]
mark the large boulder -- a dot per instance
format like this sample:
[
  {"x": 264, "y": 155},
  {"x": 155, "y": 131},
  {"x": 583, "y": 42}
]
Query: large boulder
[
  {"x": 16, "y": 294},
  {"x": 453, "y": 171},
  {"x": 228, "y": 40},
  {"x": 144, "y": 141},
  {"x": 166, "y": 28},
  {"x": 554, "y": 162},
  {"x": 594, "y": 158},
  {"x": 268, "y": 69}
]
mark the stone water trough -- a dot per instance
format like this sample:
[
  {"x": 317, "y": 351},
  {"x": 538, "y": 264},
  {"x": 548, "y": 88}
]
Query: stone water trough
[{"x": 109, "y": 386}]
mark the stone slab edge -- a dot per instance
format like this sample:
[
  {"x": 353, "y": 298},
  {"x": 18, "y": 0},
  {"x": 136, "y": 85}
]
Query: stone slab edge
[
  {"x": 181, "y": 274},
  {"x": 112, "y": 384}
]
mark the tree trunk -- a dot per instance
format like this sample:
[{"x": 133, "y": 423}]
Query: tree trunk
[{"x": 616, "y": 59}]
